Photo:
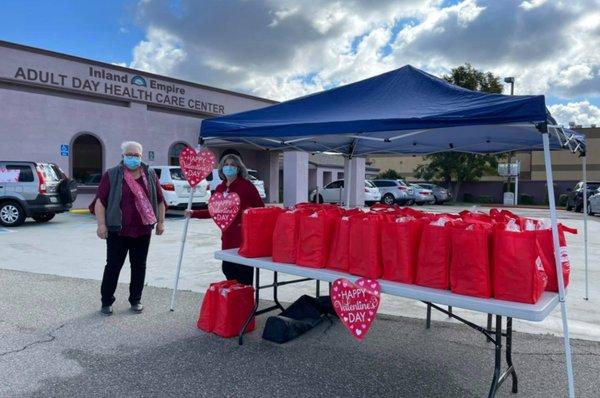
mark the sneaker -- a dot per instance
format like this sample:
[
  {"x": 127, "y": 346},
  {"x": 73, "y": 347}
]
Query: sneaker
[
  {"x": 106, "y": 310},
  {"x": 137, "y": 307}
]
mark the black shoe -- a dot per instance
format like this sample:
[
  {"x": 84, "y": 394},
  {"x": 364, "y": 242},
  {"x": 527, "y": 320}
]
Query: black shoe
[
  {"x": 106, "y": 310},
  {"x": 138, "y": 307}
]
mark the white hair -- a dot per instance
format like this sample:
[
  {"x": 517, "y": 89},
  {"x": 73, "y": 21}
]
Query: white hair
[{"x": 130, "y": 144}]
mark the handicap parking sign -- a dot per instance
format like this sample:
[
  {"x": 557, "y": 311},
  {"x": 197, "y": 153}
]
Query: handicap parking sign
[{"x": 64, "y": 150}]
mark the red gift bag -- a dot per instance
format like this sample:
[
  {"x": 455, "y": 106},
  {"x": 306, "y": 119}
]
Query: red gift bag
[
  {"x": 546, "y": 243},
  {"x": 365, "y": 251},
  {"x": 338, "y": 258},
  {"x": 470, "y": 268},
  {"x": 285, "y": 237},
  {"x": 518, "y": 270},
  {"x": 257, "y": 231},
  {"x": 208, "y": 310},
  {"x": 314, "y": 235},
  {"x": 433, "y": 264},
  {"x": 399, "y": 250},
  {"x": 234, "y": 304}
]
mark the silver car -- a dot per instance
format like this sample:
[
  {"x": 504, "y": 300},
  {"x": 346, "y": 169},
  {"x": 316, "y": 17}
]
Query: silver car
[
  {"x": 440, "y": 194},
  {"x": 423, "y": 196},
  {"x": 332, "y": 193},
  {"x": 394, "y": 191},
  {"x": 594, "y": 203}
]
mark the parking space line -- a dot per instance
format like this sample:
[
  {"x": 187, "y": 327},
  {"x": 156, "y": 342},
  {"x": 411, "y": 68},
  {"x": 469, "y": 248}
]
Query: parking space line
[{"x": 5, "y": 230}]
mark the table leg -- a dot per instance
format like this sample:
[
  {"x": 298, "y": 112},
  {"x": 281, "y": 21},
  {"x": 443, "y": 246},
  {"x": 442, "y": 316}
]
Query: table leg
[
  {"x": 428, "y": 322},
  {"x": 509, "y": 362},
  {"x": 318, "y": 288},
  {"x": 489, "y": 326},
  {"x": 449, "y": 311},
  {"x": 251, "y": 315},
  {"x": 497, "y": 357},
  {"x": 275, "y": 285}
]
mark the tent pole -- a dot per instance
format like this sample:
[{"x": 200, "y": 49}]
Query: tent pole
[
  {"x": 585, "y": 228},
  {"x": 559, "y": 274}
]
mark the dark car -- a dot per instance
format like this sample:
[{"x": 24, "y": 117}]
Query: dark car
[
  {"x": 441, "y": 194},
  {"x": 575, "y": 196},
  {"x": 33, "y": 189}
]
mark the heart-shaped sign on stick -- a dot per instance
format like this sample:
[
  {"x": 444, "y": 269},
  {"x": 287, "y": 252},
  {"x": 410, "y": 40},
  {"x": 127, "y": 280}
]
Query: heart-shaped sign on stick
[
  {"x": 196, "y": 166},
  {"x": 356, "y": 304},
  {"x": 223, "y": 208}
]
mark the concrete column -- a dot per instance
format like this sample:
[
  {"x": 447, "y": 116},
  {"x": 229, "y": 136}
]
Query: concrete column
[
  {"x": 319, "y": 178},
  {"x": 354, "y": 182},
  {"x": 273, "y": 194},
  {"x": 295, "y": 177}
]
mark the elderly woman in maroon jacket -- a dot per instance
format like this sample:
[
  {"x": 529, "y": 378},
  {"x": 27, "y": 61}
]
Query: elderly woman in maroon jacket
[
  {"x": 234, "y": 176},
  {"x": 129, "y": 205}
]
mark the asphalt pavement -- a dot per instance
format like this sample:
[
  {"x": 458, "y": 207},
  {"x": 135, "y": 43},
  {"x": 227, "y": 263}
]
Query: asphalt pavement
[{"x": 54, "y": 343}]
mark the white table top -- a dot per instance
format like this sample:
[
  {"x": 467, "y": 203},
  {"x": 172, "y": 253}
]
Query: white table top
[{"x": 530, "y": 312}]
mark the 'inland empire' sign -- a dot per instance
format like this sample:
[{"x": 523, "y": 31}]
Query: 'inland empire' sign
[{"x": 123, "y": 85}]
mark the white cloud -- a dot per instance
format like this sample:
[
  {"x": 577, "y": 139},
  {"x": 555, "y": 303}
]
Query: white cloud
[
  {"x": 582, "y": 113},
  {"x": 285, "y": 48}
]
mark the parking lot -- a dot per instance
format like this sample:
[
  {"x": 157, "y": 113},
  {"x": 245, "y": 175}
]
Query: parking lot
[{"x": 68, "y": 246}]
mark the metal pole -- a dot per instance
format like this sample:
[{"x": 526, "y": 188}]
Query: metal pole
[
  {"x": 585, "y": 229},
  {"x": 517, "y": 185},
  {"x": 559, "y": 274},
  {"x": 183, "y": 238}
]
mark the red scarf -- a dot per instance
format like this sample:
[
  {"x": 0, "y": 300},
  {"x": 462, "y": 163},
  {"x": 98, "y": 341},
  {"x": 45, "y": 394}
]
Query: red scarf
[{"x": 142, "y": 203}]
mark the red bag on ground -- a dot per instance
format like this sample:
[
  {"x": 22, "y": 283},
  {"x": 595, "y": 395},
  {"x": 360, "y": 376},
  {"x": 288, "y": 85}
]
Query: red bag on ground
[
  {"x": 433, "y": 264},
  {"x": 257, "y": 231},
  {"x": 208, "y": 310},
  {"x": 365, "y": 251},
  {"x": 470, "y": 268},
  {"x": 338, "y": 258},
  {"x": 234, "y": 304},
  {"x": 400, "y": 249},
  {"x": 518, "y": 270},
  {"x": 314, "y": 234},
  {"x": 285, "y": 237},
  {"x": 546, "y": 243}
]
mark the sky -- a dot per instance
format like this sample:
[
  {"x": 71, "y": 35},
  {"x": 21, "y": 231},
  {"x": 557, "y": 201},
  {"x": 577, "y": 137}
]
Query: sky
[{"x": 282, "y": 49}]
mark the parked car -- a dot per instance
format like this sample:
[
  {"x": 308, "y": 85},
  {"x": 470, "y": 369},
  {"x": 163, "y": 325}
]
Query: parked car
[
  {"x": 594, "y": 203},
  {"x": 38, "y": 190},
  {"x": 575, "y": 196},
  {"x": 440, "y": 194},
  {"x": 395, "y": 191},
  {"x": 214, "y": 181},
  {"x": 176, "y": 189},
  {"x": 332, "y": 193},
  {"x": 422, "y": 196}
]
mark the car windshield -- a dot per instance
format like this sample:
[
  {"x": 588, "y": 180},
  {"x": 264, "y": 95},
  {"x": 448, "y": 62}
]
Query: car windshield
[
  {"x": 369, "y": 184},
  {"x": 404, "y": 184},
  {"x": 593, "y": 185},
  {"x": 177, "y": 175}
]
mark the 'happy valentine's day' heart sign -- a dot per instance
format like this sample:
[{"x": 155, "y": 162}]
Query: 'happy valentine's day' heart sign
[
  {"x": 356, "y": 304},
  {"x": 196, "y": 166},
  {"x": 223, "y": 208}
]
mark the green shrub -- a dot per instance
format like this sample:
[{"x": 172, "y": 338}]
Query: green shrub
[
  {"x": 485, "y": 199},
  {"x": 467, "y": 197},
  {"x": 525, "y": 199}
]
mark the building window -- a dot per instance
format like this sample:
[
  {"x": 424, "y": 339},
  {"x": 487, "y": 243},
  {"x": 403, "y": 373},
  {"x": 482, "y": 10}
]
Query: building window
[
  {"x": 87, "y": 159},
  {"x": 174, "y": 152}
]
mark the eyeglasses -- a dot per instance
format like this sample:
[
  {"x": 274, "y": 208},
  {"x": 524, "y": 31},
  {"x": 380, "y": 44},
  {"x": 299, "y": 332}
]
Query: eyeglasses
[{"x": 137, "y": 155}]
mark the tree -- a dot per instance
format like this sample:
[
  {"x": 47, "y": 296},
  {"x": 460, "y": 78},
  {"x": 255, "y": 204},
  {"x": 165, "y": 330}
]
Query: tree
[
  {"x": 389, "y": 174},
  {"x": 459, "y": 167}
]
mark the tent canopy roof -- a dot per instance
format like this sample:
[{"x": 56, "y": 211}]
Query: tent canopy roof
[{"x": 405, "y": 111}]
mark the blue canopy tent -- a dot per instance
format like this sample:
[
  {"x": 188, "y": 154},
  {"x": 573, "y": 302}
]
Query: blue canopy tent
[{"x": 406, "y": 111}]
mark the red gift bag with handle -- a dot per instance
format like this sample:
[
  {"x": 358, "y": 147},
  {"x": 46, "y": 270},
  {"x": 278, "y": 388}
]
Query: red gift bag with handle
[
  {"x": 433, "y": 264},
  {"x": 257, "y": 231},
  {"x": 208, "y": 310},
  {"x": 285, "y": 237},
  {"x": 400, "y": 248},
  {"x": 365, "y": 251},
  {"x": 315, "y": 232},
  {"x": 470, "y": 267},
  {"x": 234, "y": 304},
  {"x": 518, "y": 270},
  {"x": 546, "y": 243},
  {"x": 338, "y": 258}
]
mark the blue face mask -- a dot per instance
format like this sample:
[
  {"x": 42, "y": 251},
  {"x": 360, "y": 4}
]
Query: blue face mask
[
  {"x": 230, "y": 171},
  {"x": 132, "y": 162}
]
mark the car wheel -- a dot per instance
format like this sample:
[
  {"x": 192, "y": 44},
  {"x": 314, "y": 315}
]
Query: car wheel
[
  {"x": 579, "y": 209},
  {"x": 320, "y": 200},
  {"x": 388, "y": 199},
  {"x": 589, "y": 210},
  {"x": 410, "y": 202},
  {"x": 568, "y": 208},
  {"x": 11, "y": 214},
  {"x": 43, "y": 217}
]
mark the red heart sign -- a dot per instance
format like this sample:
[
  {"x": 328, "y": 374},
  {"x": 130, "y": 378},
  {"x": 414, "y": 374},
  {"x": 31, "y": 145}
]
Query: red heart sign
[
  {"x": 196, "y": 166},
  {"x": 356, "y": 304},
  {"x": 223, "y": 208}
]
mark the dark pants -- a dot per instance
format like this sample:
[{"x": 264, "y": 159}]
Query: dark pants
[
  {"x": 117, "y": 248},
  {"x": 242, "y": 273}
]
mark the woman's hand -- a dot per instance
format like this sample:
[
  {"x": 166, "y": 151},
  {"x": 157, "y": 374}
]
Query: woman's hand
[
  {"x": 188, "y": 213},
  {"x": 160, "y": 227},
  {"x": 102, "y": 232}
]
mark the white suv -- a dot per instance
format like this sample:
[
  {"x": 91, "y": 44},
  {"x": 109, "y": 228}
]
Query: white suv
[
  {"x": 176, "y": 189},
  {"x": 215, "y": 180}
]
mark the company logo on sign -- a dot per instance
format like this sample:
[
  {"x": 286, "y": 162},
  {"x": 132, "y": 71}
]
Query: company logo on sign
[{"x": 138, "y": 81}]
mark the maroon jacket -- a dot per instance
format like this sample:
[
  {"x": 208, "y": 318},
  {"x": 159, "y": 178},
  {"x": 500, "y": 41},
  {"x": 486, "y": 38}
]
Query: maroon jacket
[{"x": 249, "y": 197}]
